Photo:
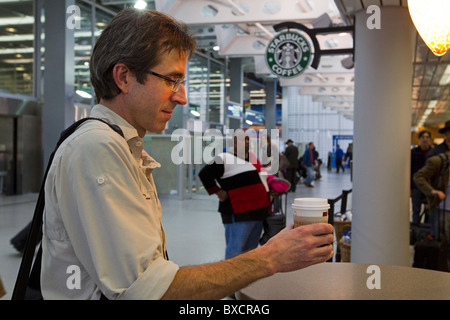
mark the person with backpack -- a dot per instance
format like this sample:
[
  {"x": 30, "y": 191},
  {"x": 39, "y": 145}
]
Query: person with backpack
[
  {"x": 102, "y": 221},
  {"x": 433, "y": 180}
]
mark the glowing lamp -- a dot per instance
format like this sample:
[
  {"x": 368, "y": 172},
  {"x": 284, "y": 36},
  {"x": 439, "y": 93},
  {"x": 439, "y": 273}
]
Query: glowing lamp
[{"x": 432, "y": 21}]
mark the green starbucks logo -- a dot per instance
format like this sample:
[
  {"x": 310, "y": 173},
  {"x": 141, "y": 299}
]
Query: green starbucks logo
[{"x": 288, "y": 54}]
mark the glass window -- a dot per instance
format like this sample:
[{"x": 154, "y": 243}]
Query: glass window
[
  {"x": 198, "y": 85},
  {"x": 102, "y": 19},
  {"x": 216, "y": 91},
  {"x": 83, "y": 48},
  {"x": 84, "y": 41},
  {"x": 16, "y": 47}
]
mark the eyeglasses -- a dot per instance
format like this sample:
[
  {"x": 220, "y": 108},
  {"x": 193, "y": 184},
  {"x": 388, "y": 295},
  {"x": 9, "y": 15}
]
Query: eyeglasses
[{"x": 176, "y": 83}]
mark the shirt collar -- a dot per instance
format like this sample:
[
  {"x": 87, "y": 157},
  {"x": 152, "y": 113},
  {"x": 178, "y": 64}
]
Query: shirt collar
[
  {"x": 135, "y": 143},
  {"x": 102, "y": 112}
]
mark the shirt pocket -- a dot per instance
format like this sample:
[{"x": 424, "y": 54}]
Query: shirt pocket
[{"x": 148, "y": 192}]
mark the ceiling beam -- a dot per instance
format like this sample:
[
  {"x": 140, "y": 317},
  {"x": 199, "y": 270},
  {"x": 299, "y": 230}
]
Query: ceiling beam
[{"x": 197, "y": 12}]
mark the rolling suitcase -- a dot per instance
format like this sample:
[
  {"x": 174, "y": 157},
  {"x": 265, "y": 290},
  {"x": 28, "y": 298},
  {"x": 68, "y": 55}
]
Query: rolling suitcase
[{"x": 432, "y": 253}]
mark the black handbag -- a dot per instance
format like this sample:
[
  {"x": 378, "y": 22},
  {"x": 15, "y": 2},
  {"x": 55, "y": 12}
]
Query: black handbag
[{"x": 28, "y": 285}]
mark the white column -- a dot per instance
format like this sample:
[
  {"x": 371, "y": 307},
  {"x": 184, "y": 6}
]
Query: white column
[{"x": 381, "y": 162}]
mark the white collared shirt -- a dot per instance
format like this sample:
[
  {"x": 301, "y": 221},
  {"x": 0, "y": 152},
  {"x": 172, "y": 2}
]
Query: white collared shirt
[{"x": 102, "y": 230}]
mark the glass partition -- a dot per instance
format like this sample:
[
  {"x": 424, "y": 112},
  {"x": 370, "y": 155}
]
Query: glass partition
[
  {"x": 83, "y": 49},
  {"x": 198, "y": 85},
  {"x": 17, "y": 47},
  {"x": 206, "y": 88},
  {"x": 216, "y": 92}
]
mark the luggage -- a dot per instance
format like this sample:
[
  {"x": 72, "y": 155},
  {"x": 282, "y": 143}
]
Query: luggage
[
  {"x": 272, "y": 225},
  {"x": 430, "y": 253},
  {"x": 420, "y": 229},
  {"x": 276, "y": 221}
]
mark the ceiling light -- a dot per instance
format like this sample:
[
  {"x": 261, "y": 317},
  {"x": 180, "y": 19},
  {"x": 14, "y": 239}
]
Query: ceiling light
[
  {"x": 140, "y": 4},
  {"x": 195, "y": 113},
  {"x": 431, "y": 20},
  {"x": 431, "y": 104},
  {"x": 84, "y": 94},
  {"x": 445, "y": 79}
]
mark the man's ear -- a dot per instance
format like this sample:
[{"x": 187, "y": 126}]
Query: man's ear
[{"x": 122, "y": 76}]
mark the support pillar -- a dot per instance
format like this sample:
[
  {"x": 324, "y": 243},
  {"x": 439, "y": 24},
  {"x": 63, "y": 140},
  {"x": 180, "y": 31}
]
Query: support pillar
[
  {"x": 270, "y": 111},
  {"x": 289, "y": 109},
  {"x": 382, "y": 126},
  {"x": 236, "y": 89},
  {"x": 58, "y": 111}
]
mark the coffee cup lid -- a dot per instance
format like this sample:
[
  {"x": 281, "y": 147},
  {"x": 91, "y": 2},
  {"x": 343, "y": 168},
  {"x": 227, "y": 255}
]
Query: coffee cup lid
[{"x": 311, "y": 203}]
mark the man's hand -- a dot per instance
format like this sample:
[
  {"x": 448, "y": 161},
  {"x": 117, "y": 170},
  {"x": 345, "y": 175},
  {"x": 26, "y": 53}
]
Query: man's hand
[
  {"x": 289, "y": 250},
  {"x": 296, "y": 248},
  {"x": 222, "y": 195},
  {"x": 439, "y": 194}
]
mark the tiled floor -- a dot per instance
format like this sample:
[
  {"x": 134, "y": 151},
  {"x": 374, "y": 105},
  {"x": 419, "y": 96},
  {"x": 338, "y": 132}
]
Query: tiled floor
[{"x": 193, "y": 227}]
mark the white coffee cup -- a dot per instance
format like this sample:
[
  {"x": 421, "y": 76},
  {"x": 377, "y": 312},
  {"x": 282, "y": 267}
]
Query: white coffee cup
[{"x": 310, "y": 210}]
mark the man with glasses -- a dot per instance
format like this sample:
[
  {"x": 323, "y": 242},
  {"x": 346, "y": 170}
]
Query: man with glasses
[{"x": 102, "y": 212}]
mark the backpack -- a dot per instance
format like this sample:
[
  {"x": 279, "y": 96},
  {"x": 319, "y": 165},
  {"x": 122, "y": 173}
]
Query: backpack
[
  {"x": 28, "y": 286},
  {"x": 444, "y": 167}
]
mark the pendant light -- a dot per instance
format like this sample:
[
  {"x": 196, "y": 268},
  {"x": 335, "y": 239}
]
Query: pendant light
[{"x": 432, "y": 21}]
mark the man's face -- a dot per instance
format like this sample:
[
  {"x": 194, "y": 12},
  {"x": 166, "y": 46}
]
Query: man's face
[
  {"x": 447, "y": 135},
  {"x": 150, "y": 105},
  {"x": 424, "y": 140}
]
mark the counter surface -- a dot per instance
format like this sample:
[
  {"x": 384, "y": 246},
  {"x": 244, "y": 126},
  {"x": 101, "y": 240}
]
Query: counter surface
[{"x": 351, "y": 281}]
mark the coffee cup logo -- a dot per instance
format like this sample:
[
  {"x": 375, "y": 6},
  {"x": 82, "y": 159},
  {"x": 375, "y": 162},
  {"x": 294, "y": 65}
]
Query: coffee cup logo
[{"x": 288, "y": 54}]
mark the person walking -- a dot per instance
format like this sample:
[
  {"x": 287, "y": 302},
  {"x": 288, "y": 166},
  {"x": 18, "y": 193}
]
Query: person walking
[
  {"x": 291, "y": 154},
  {"x": 339, "y": 157},
  {"x": 309, "y": 162}
]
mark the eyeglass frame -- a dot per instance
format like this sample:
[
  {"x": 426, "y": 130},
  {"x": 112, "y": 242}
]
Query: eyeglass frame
[{"x": 176, "y": 83}]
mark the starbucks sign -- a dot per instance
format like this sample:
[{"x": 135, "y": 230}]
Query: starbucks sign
[{"x": 288, "y": 54}]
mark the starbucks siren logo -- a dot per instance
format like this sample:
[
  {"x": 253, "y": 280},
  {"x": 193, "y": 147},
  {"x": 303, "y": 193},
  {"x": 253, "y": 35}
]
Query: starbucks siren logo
[{"x": 288, "y": 54}]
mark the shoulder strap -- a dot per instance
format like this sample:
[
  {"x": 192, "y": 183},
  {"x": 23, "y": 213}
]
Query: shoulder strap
[
  {"x": 24, "y": 278},
  {"x": 444, "y": 164}
]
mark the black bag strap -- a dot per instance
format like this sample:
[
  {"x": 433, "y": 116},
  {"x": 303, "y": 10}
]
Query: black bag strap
[{"x": 24, "y": 278}]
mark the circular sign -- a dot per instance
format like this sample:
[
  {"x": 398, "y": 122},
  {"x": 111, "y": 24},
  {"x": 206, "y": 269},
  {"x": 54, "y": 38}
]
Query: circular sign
[{"x": 288, "y": 54}]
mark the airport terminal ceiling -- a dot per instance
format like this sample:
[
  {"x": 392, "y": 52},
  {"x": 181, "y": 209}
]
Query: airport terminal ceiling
[{"x": 242, "y": 28}]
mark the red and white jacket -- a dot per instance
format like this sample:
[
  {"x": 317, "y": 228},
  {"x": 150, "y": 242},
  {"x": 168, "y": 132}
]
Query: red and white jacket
[{"x": 247, "y": 199}]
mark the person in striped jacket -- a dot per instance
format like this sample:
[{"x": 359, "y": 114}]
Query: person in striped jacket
[{"x": 243, "y": 199}]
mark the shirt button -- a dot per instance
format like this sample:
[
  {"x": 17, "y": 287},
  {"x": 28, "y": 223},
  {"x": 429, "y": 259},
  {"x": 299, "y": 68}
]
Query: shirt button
[
  {"x": 100, "y": 180},
  {"x": 138, "y": 144}
]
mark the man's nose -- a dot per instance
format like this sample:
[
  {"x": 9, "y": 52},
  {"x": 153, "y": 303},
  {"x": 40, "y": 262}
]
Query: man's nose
[{"x": 180, "y": 96}]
